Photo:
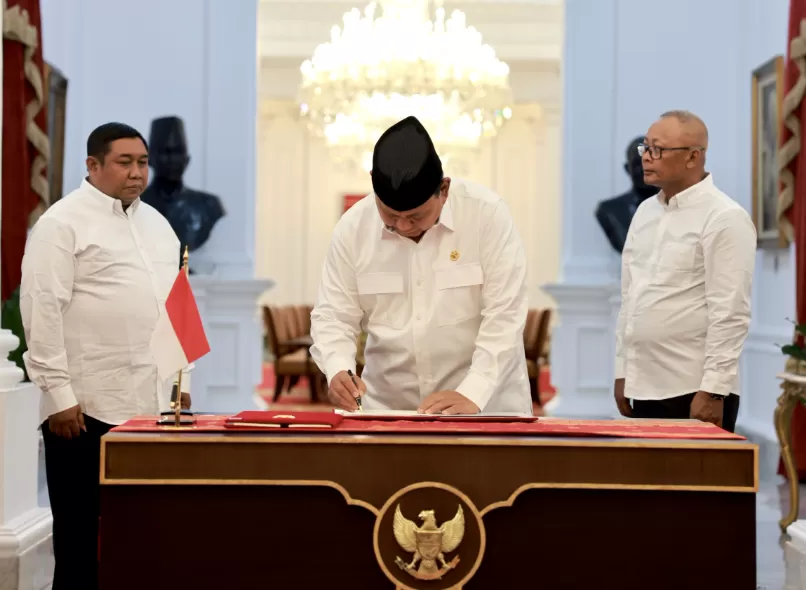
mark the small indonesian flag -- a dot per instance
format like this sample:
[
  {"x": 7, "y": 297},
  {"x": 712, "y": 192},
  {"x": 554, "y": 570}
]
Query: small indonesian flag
[{"x": 179, "y": 337}]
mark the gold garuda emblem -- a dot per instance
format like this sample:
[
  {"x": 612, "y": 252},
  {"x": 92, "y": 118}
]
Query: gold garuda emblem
[{"x": 429, "y": 543}]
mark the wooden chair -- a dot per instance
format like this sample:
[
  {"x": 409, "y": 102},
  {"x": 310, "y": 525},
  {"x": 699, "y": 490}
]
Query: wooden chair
[
  {"x": 536, "y": 354},
  {"x": 290, "y": 361},
  {"x": 303, "y": 317},
  {"x": 530, "y": 331}
]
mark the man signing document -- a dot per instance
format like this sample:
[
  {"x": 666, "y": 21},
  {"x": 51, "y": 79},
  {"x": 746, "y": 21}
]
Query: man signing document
[{"x": 434, "y": 272}]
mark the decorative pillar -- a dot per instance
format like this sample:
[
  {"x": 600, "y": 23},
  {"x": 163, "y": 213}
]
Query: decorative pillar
[
  {"x": 795, "y": 555},
  {"x": 583, "y": 341},
  {"x": 26, "y": 551},
  {"x": 228, "y": 123},
  {"x": 225, "y": 380}
]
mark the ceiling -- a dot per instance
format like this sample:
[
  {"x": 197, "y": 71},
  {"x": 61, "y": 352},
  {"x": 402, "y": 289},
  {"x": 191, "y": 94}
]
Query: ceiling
[{"x": 519, "y": 30}]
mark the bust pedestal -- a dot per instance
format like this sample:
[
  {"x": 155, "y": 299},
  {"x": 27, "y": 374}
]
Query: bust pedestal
[
  {"x": 583, "y": 350},
  {"x": 225, "y": 379},
  {"x": 26, "y": 551}
]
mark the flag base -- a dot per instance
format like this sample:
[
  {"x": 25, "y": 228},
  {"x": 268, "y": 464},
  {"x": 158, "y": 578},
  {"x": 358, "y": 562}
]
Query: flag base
[{"x": 186, "y": 418}]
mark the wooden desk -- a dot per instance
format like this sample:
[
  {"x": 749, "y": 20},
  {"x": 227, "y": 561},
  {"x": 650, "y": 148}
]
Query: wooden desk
[{"x": 299, "y": 511}]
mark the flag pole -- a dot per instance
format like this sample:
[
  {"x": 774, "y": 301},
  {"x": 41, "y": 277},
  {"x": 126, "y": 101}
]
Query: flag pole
[{"x": 178, "y": 402}]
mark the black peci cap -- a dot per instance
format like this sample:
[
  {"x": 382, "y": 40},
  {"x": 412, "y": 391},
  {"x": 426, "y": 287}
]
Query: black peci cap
[{"x": 406, "y": 170}]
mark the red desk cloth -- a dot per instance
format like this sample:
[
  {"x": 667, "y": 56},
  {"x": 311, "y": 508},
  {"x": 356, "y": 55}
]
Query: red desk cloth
[{"x": 544, "y": 427}]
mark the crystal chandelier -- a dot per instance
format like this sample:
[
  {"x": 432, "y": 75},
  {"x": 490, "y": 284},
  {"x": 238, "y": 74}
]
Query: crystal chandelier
[{"x": 377, "y": 70}]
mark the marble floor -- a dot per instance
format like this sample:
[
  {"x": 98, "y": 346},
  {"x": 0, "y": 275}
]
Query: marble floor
[
  {"x": 772, "y": 550},
  {"x": 770, "y": 544}
]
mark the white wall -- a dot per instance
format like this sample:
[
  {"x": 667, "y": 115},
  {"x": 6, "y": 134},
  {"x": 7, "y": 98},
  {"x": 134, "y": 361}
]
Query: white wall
[
  {"x": 300, "y": 186},
  {"x": 627, "y": 61},
  {"x": 133, "y": 62},
  {"x": 763, "y": 34}
]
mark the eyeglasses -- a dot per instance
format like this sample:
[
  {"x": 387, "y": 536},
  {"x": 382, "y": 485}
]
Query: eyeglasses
[{"x": 656, "y": 152}]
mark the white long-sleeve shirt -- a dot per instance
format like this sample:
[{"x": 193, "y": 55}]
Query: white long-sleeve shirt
[
  {"x": 446, "y": 313},
  {"x": 94, "y": 281},
  {"x": 687, "y": 271}
]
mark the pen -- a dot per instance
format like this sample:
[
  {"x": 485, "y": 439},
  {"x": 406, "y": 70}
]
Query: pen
[{"x": 357, "y": 399}]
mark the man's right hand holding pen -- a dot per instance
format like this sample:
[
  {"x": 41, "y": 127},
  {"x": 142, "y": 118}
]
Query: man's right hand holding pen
[{"x": 346, "y": 390}]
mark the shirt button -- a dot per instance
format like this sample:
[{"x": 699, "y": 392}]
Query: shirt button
[
  {"x": 419, "y": 282},
  {"x": 418, "y": 317}
]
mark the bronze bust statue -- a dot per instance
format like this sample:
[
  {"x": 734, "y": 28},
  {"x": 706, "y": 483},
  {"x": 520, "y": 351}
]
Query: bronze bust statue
[
  {"x": 191, "y": 213},
  {"x": 615, "y": 214}
]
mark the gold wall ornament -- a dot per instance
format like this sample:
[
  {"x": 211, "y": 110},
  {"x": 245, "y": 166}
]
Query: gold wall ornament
[
  {"x": 429, "y": 543},
  {"x": 454, "y": 255}
]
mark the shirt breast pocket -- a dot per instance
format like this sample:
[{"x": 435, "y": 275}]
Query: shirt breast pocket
[
  {"x": 381, "y": 294},
  {"x": 675, "y": 259},
  {"x": 458, "y": 293}
]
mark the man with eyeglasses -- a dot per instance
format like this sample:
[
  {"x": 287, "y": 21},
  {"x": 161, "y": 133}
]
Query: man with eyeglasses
[{"x": 687, "y": 270}]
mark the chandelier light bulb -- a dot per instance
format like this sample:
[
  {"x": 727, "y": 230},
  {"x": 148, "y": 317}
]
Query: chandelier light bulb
[{"x": 380, "y": 68}]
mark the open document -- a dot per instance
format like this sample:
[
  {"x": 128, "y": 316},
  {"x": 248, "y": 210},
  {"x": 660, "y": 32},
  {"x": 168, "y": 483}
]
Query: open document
[{"x": 413, "y": 415}]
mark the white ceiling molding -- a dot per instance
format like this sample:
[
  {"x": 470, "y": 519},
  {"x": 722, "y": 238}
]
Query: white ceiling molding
[{"x": 525, "y": 30}]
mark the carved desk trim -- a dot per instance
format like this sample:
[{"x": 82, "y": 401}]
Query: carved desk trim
[{"x": 739, "y": 461}]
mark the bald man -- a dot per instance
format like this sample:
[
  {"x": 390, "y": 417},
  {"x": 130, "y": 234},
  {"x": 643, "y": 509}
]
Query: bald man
[{"x": 687, "y": 271}]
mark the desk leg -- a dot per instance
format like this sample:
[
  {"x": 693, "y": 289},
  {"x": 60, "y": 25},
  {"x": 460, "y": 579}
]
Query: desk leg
[{"x": 783, "y": 428}]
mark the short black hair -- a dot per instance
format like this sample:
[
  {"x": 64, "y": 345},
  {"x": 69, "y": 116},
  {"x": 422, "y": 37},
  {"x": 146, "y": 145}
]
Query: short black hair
[{"x": 99, "y": 140}]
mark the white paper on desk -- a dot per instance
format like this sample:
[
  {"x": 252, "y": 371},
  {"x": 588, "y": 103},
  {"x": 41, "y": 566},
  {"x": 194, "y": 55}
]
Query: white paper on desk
[{"x": 411, "y": 413}]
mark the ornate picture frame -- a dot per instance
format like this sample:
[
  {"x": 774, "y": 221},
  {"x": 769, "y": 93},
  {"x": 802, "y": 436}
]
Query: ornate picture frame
[
  {"x": 56, "y": 109},
  {"x": 767, "y": 98}
]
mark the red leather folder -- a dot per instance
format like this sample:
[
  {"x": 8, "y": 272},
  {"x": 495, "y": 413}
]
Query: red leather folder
[{"x": 275, "y": 420}]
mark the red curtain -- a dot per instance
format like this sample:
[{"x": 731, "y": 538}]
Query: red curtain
[
  {"x": 792, "y": 203},
  {"x": 25, "y": 145}
]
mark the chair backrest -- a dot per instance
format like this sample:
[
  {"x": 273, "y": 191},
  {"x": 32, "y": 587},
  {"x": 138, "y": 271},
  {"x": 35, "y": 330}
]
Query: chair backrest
[
  {"x": 285, "y": 320},
  {"x": 303, "y": 317},
  {"x": 530, "y": 334},
  {"x": 270, "y": 322},
  {"x": 543, "y": 331}
]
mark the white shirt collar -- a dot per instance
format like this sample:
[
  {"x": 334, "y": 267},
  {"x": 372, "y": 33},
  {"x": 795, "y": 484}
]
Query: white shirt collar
[
  {"x": 445, "y": 220},
  {"x": 685, "y": 197},
  {"x": 105, "y": 200}
]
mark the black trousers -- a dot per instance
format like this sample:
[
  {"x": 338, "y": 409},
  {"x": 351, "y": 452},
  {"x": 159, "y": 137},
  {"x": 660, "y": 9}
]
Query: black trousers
[
  {"x": 679, "y": 408},
  {"x": 73, "y": 473}
]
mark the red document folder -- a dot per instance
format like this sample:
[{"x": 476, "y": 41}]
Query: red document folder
[{"x": 270, "y": 420}]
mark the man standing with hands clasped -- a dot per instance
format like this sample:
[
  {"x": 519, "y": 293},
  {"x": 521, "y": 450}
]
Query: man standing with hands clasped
[
  {"x": 687, "y": 271},
  {"x": 98, "y": 267},
  {"x": 434, "y": 272}
]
